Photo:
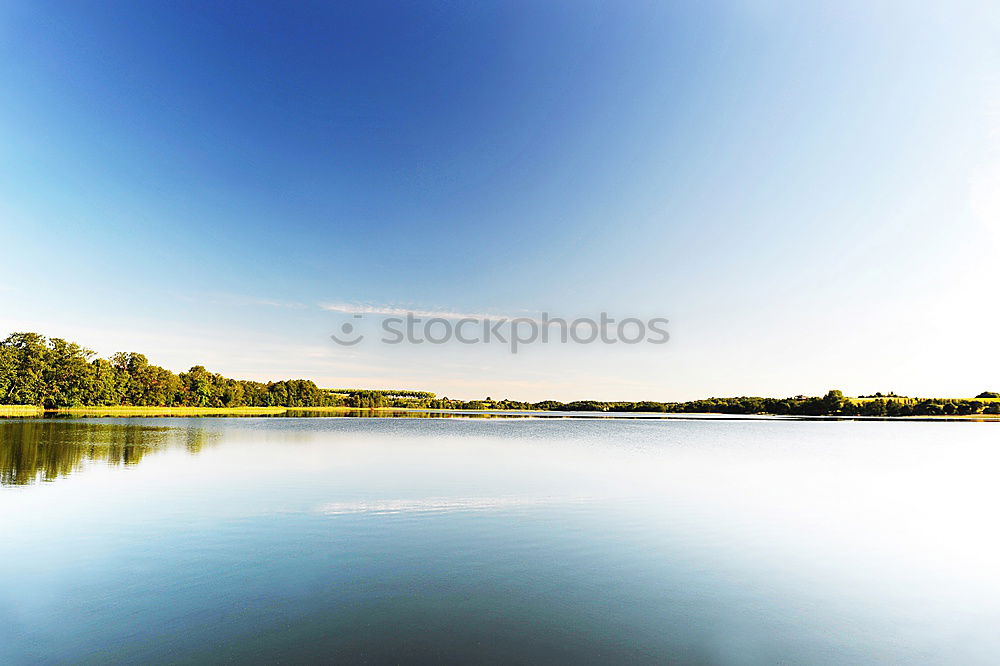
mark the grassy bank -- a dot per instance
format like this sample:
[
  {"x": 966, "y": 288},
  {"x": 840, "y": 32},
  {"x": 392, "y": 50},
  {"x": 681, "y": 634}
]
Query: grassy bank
[
  {"x": 169, "y": 411},
  {"x": 20, "y": 410},
  {"x": 205, "y": 411},
  {"x": 29, "y": 410}
]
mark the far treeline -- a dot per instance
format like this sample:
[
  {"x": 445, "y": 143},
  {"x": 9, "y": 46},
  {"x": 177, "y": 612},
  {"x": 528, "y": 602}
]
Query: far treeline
[{"x": 53, "y": 373}]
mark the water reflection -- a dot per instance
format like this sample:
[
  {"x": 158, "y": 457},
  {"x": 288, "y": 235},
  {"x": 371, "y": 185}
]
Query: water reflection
[
  {"x": 518, "y": 540},
  {"x": 431, "y": 505},
  {"x": 45, "y": 450}
]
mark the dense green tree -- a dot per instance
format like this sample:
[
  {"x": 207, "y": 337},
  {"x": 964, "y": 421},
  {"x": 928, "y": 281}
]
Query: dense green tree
[
  {"x": 68, "y": 375},
  {"x": 106, "y": 388},
  {"x": 25, "y": 365},
  {"x": 55, "y": 373},
  {"x": 833, "y": 402}
]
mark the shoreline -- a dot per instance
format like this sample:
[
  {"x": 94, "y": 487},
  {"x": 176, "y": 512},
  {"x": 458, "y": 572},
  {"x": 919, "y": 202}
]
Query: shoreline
[{"x": 28, "y": 411}]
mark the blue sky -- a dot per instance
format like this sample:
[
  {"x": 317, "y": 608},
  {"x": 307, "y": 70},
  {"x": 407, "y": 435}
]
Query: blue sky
[{"x": 809, "y": 192}]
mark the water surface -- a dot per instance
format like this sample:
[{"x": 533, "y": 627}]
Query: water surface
[{"x": 498, "y": 540}]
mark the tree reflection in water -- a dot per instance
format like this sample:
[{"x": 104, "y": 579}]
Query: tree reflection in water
[{"x": 44, "y": 450}]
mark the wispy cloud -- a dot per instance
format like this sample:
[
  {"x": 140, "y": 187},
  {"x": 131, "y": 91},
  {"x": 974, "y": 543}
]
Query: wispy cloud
[
  {"x": 277, "y": 304},
  {"x": 247, "y": 301},
  {"x": 394, "y": 311}
]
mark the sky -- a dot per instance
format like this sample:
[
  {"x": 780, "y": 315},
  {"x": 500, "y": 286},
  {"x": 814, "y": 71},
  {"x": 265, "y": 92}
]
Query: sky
[{"x": 808, "y": 192}]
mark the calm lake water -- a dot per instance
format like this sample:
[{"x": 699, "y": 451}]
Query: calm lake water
[{"x": 499, "y": 540}]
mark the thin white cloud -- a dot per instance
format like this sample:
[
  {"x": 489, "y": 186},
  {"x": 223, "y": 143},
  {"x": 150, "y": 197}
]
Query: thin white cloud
[
  {"x": 277, "y": 304},
  {"x": 251, "y": 301},
  {"x": 393, "y": 311}
]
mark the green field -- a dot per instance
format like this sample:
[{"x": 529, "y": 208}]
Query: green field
[{"x": 911, "y": 401}]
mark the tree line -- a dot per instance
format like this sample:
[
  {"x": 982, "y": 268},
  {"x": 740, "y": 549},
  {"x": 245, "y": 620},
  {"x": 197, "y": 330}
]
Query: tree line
[
  {"x": 54, "y": 373},
  {"x": 834, "y": 403}
]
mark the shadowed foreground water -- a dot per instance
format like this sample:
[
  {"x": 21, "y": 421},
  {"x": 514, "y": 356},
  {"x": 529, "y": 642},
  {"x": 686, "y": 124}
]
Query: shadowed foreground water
[{"x": 173, "y": 540}]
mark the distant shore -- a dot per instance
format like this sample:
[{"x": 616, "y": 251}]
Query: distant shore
[
  {"x": 61, "y": 377},
  {"x": 28, "y": 411}
]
